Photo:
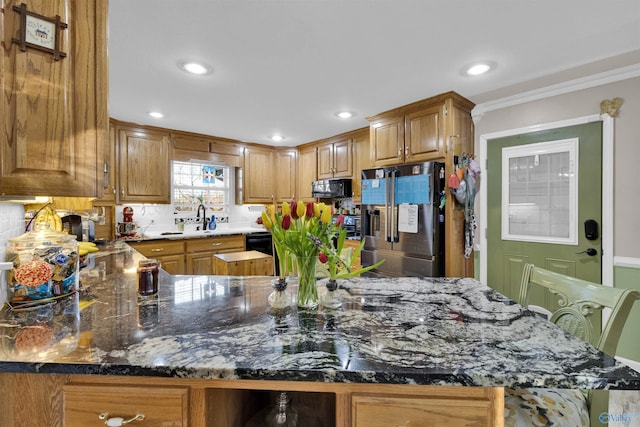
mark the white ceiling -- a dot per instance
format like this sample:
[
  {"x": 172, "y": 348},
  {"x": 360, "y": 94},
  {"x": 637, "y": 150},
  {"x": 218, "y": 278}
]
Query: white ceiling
[{"x": 287, "y": 66}]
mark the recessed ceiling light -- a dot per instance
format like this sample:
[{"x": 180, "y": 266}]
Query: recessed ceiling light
[
  {"x": 345, "y": 114},
  {"x": 277, "y": 138},
  {"x": 479, "y": 68},
  {"x": 156, "y": 114},
  {"x": 193, "y": 67}
]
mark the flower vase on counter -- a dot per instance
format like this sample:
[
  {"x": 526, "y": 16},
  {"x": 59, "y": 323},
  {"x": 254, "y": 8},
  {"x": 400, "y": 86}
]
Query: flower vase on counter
[
  {"x": 307, "y": 290},
  {"x": 306, "y": 233},
  {"x": 279, "y": 298},
  {"x": 331, "y": 298}
]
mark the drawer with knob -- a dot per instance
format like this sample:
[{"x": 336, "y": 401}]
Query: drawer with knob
[{"x": 117, "y": 405}]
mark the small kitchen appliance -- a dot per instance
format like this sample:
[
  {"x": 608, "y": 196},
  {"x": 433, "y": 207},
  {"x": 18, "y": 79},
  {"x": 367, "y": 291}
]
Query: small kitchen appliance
[{"x": 127, "y": 228}]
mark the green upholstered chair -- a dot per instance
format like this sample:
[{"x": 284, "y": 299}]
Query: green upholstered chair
[{"x": 578, "y": 301}]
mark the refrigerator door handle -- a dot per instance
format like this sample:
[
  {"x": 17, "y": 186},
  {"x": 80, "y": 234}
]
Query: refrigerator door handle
[
  {"x": 387, "y": 236},
  {"x": 393, "y": 237}
]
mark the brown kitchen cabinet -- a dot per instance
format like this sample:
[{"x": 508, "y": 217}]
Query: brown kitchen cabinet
[
  {"x": 170, "y": 253},
  {"x": 189, "y": 146},
  {"x": 286, "y": 162},
  {"x": 255, "y": 181},
  {"x": 412, "y": 137},
  {"x": 245, "y": 263},
  {"x": 200, "y": 253},
  {"x": 361, "y": 160},
  {"x": 95, "y": 404},
  {"x": 79, "y": 400},
  {"x": 335, "y": 159},
  {"x": 144, "y": 170},
  {"x": 307, "y": 171},
  {"x": 54, "y": 116}
]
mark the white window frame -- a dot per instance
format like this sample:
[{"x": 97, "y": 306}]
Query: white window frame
[
  {"x": 549, "y": 147},
  {"x": 210, "y": 208}
]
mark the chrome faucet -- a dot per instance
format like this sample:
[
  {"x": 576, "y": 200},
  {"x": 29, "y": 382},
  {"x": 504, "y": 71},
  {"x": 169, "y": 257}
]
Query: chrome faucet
[{"x": 204, "y": 217}]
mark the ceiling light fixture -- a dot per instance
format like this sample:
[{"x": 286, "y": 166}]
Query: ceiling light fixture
[
  {"x": 193, "y": 67},
  {"x": 479, "y": 68},
  {"x": 344, "y": 114},
  {"x": 156, "y": 114},
  {"x": 277, "y": 138}
]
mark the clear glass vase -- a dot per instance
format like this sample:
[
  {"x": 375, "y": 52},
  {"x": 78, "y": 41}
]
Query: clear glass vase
[
  {"x": 307, "y": 288},
  {"x": 279, "y": 297},
  {"x": 331, "y": 298}
]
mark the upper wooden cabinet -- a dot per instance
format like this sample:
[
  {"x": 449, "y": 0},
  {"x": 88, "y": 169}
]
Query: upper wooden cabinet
[
  {"x": 307, "y": 172},
  {"x": 335, "y": 159},
  {"x": 143, "y": 165},
  {"x": 405, "y": 138},
  {"x": 188, "y": 146},
  {"x": 361, "y": 160},
  {"x": 286, "y": 162},
  {"x": 54, "y": 112},
  {"x": 255, "y": 181}
]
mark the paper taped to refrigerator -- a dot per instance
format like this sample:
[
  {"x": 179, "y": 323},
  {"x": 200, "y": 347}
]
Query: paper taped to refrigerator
[
  {"x": 408, "y": 218},
  {"x": 374, "y": 191},
  {"x": 413, "y": 189}
]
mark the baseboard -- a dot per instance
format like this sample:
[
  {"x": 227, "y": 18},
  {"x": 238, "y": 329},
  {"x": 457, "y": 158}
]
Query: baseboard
[
  {"x": 630, "y": 363},
  {"x": 619, "y": 261}
]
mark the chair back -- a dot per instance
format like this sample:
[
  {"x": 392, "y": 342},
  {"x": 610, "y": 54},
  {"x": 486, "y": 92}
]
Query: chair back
[{"x": 579, "y": 300}]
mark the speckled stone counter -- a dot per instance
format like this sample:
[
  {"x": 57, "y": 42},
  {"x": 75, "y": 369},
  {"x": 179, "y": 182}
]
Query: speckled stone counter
[{"x": 390, "y": 331}]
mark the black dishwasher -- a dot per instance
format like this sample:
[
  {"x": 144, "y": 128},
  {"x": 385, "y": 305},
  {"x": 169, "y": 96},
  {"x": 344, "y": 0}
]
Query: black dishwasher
[{"x": 262, "y": 242}]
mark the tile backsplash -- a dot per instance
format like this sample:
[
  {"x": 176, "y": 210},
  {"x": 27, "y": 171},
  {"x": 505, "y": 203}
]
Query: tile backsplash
[{"x": 11, "y": 225}]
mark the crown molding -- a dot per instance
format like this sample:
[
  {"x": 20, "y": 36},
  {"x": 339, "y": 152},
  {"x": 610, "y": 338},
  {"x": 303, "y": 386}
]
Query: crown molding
[{"x": 582, "y": 83}]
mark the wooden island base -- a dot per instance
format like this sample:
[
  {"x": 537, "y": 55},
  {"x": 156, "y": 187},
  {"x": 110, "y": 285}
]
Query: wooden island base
[{"x": 78, "y": 400}]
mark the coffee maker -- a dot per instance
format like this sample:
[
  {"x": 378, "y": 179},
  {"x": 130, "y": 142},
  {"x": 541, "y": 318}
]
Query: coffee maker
[{"x": 128, "y": 227}]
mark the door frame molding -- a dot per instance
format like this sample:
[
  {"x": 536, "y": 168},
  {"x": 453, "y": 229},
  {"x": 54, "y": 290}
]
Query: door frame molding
[{"x": 607, "y": 186}]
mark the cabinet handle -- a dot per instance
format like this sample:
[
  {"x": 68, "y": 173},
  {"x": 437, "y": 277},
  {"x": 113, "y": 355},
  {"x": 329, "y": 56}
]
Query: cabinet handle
[
  {"x": 119, "y": 421},
  {"x": 216, "y": 244},
  {"x": 157, "y": 250},
  {"x": 399, "y": 152},
  {"x": 122, "y": 191}
]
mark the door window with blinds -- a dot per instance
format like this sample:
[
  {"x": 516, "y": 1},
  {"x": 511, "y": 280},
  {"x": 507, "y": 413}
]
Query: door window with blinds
[
  {"x": 200, "y": 183},
  {"x": 540, "y": 192}
]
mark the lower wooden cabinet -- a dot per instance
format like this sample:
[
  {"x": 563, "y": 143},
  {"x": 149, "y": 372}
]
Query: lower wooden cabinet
[
  {"x": 79, "y": 400},
  {"x": 383, "y": 411},
  {"x": 246, "y": 263},
  {"x": 200, "y": 252},
  {"x": 95, "y": 405},
  {"x": 170, "y": 253}
]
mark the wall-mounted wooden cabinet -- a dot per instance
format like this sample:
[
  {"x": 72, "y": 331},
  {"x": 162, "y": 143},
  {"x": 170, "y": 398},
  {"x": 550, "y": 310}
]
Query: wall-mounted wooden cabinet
[
  {"x": 143, "y": 165},
  {"x": 286, "y": 167},
  {"x": 255, "y": 181},
  {"x": 361, "y": 160},
  {"x": 54, "y": 112},
  {"x": 307, "y": 172},
  {"x": 414, "y": 136},
  {"x": 189, "y": 146},
  {"x": 335, "y": 159}
]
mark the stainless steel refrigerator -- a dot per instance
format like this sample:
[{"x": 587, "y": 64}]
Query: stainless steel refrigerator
[{"x": 403, "y": 219}]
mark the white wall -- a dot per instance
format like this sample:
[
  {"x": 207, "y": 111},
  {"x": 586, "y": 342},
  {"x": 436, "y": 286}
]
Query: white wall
[{"x": 11, "y": 225}]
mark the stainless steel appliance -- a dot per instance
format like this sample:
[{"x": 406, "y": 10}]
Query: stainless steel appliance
[
  {"x": 331, "y": 188},
  {"x": 402, "y": 215},
  {"x": 351, "y": 223}
]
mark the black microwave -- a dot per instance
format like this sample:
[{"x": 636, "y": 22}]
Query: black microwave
[{"x": 331, "y": 188}]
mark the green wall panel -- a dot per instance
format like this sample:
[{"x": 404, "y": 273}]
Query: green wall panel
[{"x": 629, "y": 345}]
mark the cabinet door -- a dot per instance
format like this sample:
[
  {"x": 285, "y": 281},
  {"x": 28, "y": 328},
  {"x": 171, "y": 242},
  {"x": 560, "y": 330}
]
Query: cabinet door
[
  {"x": 54, "y": 112},
  {"x": 325, "y": 161},
  {"x": 378, "y": 411},
  {"x": 343, "y": 159},
  {"x": 160, "y": 406},
  {"x": 286, "y": 172},
  {"x": 144, "y": 167},
  {"x": 201, "y": 263},
  {"x": 307, "y": 173},
  {"x": 361, "y": 160},
  {"x": 422, "y": 138},
  {"x": 258, "y": 176},
  {"x": 387, "y": 141},
  {"x": 173, "y": 264}
]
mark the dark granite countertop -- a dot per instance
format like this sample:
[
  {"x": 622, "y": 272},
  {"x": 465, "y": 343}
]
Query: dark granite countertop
[{"x": 397, "y": 331}]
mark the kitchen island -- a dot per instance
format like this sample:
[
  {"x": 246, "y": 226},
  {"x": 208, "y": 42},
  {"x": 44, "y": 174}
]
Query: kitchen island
[{"x": 209, "y": 349}]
